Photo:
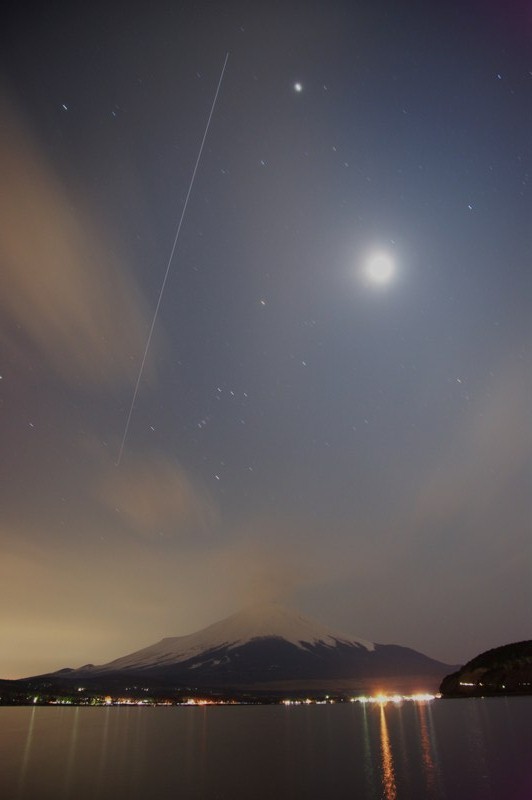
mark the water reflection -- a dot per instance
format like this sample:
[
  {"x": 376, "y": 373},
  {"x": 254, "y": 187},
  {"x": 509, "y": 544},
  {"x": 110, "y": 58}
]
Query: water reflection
[
  {"x": 477, "y": 742},
  {"x": 458, "y": 750},
  {"x": 103, "y": 748},
  {"x": 26, "y": 755},
  {"x": 388, "y": 773},
  {"x": 368, "y": 758},
  {"x": 72, "y": 749},
  {"x": 426, "y": 750}
]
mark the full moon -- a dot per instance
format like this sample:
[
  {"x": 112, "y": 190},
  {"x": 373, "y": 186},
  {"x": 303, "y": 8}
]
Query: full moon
[{"x": 379, "y": 268}]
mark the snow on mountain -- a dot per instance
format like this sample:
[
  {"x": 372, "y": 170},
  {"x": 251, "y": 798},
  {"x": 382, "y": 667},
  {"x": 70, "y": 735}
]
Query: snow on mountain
[
  {"x": 266, "y": 648},
  {"x": 254, "y": 623}
]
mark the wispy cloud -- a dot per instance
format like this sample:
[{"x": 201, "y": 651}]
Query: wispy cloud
[
  {"x": 482, "y": 458},
  {"x": 64, "y": 292},
  {"x": 151, "y": 495}
]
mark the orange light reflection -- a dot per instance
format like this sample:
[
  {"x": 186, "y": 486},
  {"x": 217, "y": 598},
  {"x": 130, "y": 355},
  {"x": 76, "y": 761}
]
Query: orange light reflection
[
  {"x": 426, "y": 750},
  {"x": 388, "y": 773}
]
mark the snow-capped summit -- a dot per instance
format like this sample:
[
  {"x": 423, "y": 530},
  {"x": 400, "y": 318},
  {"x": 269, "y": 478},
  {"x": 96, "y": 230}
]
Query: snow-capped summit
[
  {"x": 266, "y": 647},
  {"x": 268, "y": 621}
]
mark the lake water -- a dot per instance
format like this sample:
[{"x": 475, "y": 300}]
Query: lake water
[{"x": 456, "y": 749}]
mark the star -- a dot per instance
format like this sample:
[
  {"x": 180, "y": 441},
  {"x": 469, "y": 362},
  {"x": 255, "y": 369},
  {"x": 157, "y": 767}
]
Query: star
[{"x": 298, "y": 87}]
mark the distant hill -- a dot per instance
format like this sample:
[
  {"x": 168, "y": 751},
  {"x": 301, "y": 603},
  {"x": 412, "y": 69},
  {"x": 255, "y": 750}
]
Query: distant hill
[
  {"x": 265, "y": 649},
  {"x": 501, "y": 671}
]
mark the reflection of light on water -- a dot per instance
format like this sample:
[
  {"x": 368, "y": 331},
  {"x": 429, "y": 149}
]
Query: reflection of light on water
[
  {"x": 26, "y": 755},
  {"x": 388, "y": 774},
  {"x": 69, "y": 767},
  {"x": 368, "y": 761},
  {"x": 102, "y": 760},
  {"x": 426, "y": 749},
  {"x": 477, "y": 742}
]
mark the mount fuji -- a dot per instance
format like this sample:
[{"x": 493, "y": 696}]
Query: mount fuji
[{"x": 265, "y": 648}]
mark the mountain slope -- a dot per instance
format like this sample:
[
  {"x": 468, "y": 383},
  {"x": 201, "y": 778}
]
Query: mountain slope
[
  {"x": 503, "y": 670},
  {"x": 264, "y": 648},
  {"x": 255, "y": 623}
]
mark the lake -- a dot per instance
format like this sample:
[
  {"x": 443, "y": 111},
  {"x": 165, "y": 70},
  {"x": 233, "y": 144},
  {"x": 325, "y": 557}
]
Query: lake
[{"x": 456, "y": 749}]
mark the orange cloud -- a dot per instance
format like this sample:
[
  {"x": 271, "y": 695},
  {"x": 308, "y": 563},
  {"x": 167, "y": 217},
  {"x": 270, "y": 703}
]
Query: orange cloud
[
  {"x": 152, "y": 495},
  {"x": 63, "y": 291}
]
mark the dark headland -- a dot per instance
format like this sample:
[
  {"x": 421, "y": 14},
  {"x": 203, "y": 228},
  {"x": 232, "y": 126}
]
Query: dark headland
[{"x": 505, "y": 670}]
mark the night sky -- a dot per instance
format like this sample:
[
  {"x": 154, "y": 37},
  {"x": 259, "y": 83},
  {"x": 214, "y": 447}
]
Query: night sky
[{"x": 335, "y": 407}]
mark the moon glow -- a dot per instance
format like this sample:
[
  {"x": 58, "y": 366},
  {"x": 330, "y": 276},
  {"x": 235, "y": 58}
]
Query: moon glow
[{"x": 379, "y": 268}]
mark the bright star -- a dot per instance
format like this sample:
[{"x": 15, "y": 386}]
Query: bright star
[{"x": 298, "y": 87}]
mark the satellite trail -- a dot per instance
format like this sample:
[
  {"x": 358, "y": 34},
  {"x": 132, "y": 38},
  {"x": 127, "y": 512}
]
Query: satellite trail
[{"x": 178, "y": 231}]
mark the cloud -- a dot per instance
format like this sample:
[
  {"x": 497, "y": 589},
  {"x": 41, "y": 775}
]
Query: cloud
[
  {"x": 95, "y": 597},
  {"x": 57, "y": 601},
  {"x": 152, "y": 495},
  {"x": 63, "y": 291},
  {"x": 482, "y": 458}
]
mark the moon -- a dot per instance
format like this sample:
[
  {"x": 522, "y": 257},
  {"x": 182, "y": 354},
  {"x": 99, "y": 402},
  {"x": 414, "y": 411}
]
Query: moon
[
  {"x": 379, "y": 268},
  {"x": 298, "y": 87}
]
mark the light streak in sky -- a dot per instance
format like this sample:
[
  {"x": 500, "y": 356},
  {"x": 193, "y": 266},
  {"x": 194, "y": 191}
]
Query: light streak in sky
[{"x": 178, "y": 231}]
